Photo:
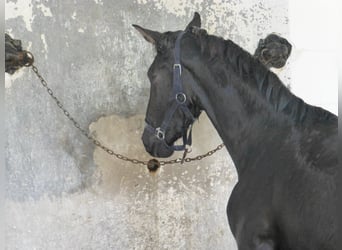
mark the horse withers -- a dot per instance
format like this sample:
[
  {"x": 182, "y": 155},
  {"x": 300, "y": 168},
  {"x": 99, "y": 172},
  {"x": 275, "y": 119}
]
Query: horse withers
[{"x": 284, "y": 150}]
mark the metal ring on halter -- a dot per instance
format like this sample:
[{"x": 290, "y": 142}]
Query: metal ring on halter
[
  {"x": 181, "y": 98},
  {"x": 160, "y": 134}
]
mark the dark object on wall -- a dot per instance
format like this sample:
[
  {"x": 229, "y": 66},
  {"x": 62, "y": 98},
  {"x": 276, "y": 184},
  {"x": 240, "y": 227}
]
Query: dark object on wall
[
  {"x": 284, "y": 150},
  {"x": 15, "y": 56},
  {"x": 273, "y": 51},
  {"x": 153, "y": 165}
]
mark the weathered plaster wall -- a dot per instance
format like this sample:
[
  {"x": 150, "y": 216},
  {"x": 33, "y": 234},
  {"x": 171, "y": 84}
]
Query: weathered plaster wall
[{"x": 62, "y": 193}]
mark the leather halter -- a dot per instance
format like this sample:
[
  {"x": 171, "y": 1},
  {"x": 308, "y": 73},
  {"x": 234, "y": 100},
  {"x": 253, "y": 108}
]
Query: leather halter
[{"x": 179, "y": 102}]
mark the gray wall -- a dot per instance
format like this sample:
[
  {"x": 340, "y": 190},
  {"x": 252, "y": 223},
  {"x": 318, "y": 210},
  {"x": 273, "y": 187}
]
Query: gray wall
[{"x": 62, "y": 192}]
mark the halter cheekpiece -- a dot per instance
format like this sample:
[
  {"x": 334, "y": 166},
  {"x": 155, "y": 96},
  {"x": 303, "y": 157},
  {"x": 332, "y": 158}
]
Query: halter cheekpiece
[{"x": 179, "y": 102}]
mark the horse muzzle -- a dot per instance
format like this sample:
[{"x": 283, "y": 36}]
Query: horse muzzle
[{"x": 155, "y": 146}]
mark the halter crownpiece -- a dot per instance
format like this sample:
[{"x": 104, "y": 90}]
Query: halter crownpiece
[{"x": 179, "y": 102}]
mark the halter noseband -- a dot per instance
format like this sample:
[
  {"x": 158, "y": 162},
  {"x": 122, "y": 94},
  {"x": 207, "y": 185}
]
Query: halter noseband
[{"x": 179, "y": 102}]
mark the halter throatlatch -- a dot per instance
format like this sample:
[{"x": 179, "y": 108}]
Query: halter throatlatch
[{"x": 179, "y": 102}]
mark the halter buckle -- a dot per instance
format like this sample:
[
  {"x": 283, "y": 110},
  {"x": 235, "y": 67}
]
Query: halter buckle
[{"x": 178, "y": 65}]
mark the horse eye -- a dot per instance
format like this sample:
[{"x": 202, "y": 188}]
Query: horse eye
[{"x": 160, "y": 48}]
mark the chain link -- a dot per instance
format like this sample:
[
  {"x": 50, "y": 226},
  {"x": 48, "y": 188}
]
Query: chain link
[{"x": 103, "y": 147}]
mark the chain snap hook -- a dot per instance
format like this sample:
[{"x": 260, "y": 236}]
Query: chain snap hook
[{"x": 187, "y": 150}]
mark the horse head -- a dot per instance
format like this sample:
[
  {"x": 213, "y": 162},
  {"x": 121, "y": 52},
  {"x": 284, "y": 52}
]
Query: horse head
[{"x": 172, "y": 105}]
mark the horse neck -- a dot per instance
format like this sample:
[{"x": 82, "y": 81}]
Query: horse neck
[
  {"x": 244, "y": 130},
  {"x": 240, "y": 115},
  {"x": 248, "y": 105}
]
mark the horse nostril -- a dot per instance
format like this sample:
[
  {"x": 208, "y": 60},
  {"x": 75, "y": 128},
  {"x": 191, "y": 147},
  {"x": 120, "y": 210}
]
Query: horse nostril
[{"x": 147, "y": 142}]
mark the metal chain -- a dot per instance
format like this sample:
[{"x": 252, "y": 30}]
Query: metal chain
[{"x": 106, "y": 149}]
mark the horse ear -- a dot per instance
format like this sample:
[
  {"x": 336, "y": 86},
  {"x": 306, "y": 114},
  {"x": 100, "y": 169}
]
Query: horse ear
[
  {"x": 149, "y": 35},
  {"x": 196, "y": 21}
]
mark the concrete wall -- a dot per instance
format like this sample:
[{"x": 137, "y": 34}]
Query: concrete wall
[
  {"x": 62, "y": 192},
  {"x": 314, "y": 67}
]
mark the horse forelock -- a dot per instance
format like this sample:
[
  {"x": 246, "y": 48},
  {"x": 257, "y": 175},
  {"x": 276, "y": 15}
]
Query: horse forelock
[{"x": 253, "y": 74}]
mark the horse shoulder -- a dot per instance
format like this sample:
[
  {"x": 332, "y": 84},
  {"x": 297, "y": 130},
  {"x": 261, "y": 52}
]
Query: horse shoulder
[{"x": 250, "y": 214}]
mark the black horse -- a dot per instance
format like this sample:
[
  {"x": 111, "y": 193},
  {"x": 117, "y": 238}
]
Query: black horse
[{"x": 284, "y": 150}]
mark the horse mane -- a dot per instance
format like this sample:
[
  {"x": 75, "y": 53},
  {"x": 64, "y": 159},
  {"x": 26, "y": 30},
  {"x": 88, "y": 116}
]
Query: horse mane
[{"x": 254, "y": 73}]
